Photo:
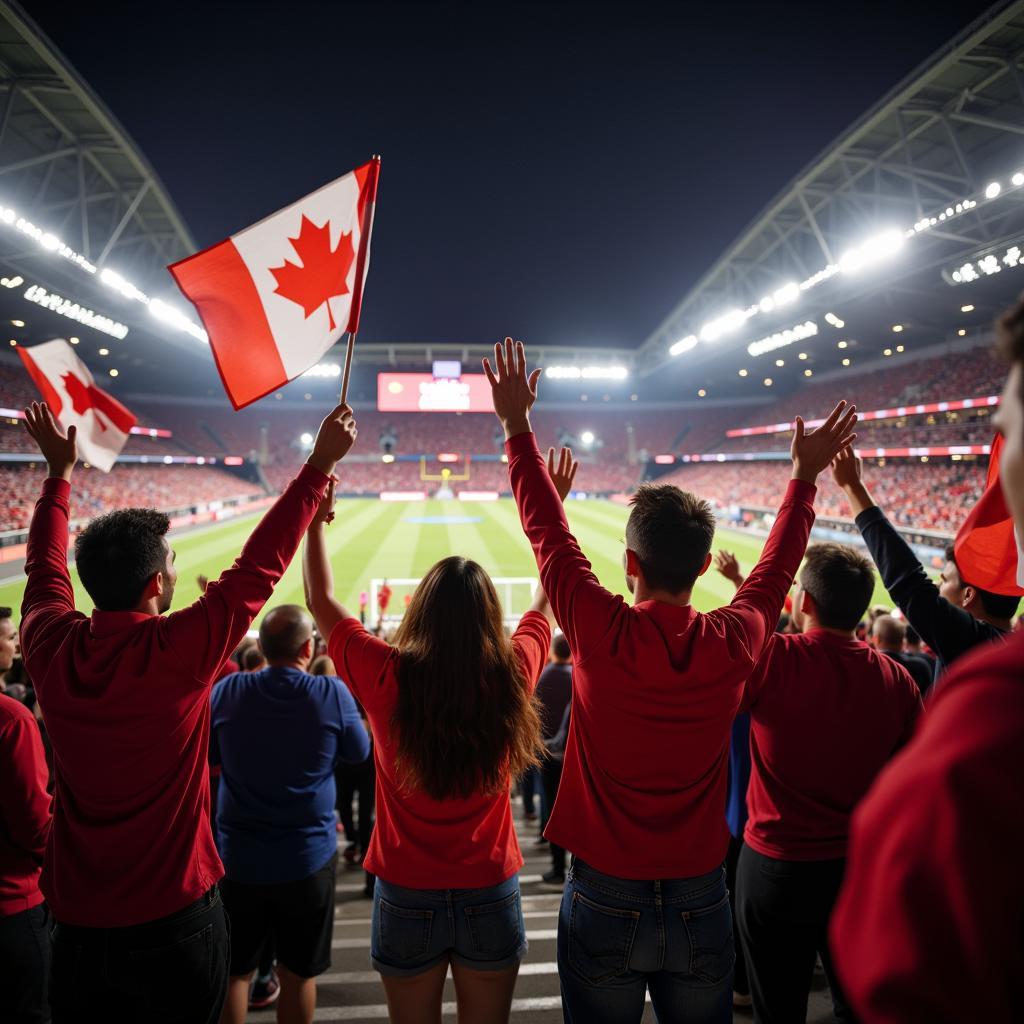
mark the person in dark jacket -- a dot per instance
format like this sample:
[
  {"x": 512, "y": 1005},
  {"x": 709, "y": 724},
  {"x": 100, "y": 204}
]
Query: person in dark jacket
[
  {"x": 887, "y": 635},
  {"x": 952, "y": 617}
]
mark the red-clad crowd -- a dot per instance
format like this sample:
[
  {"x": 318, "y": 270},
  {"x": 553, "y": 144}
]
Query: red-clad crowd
[{"x": 742, "y": 791}]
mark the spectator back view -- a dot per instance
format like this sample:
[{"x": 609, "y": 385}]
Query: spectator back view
[
  {"x": 656, "y": 686},
  {"x": 275, "y": 820},
  {"x": 131, "y": 865}
]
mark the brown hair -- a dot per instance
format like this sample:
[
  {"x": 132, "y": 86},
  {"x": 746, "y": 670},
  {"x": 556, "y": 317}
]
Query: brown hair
[
  {"x": 1010, "y": 334},
  {"x": 465, "y": 720},
  {"x": 670, "y": 531},
  {"x": 322, "y": 665},
  {"x": 841, "y": 581}
]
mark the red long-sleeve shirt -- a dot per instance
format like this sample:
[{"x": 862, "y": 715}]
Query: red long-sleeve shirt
[
  {"x": 655, "y": 689},
  {"x": 928, "y": 926},
  {"x": 125, "y": 696},
  {"x": 24, "y": 808},
  {"x": 826, "y": 713}
]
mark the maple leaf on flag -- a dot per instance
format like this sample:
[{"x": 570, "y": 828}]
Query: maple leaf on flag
[
  {"x": 323, "y": 272},
  {"x": 82, "y": 398}
]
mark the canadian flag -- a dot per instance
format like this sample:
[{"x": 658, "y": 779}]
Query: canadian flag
[
  {"x": 67, "y": 387},
  {"x": 276, "y": 296},
  {"x": 989, "y": 553}
]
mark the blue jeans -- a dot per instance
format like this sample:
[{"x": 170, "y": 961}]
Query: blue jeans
[
  {"x": 413, "y": 930},
  {"x": 618, "y": 937}
]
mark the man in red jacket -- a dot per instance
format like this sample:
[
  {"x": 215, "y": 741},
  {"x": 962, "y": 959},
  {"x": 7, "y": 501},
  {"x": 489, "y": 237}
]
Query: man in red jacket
[
  {"x": 826, "y": 712},
  {"x": 655, "y": 689},
  {"x": 24, "y": 826},
  {"x": 131, "y": 870},
  {"x": 928, "y": 923}
]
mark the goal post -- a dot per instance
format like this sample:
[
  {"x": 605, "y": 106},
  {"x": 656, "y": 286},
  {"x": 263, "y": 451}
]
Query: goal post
[{"x": 514, "y": 592}]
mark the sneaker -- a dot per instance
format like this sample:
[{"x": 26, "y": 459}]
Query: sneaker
[
  {"x": 540, "y": 841},
  {"x": 552, "y": 880},
  {"x": 741, "y": 1000},
  {"x": 264, "y": 992}
]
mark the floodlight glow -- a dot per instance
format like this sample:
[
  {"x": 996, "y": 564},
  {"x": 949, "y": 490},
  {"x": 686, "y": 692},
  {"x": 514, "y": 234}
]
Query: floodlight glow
[
  {"x": 387, "y": 457},
  {"x": 987, "y": 265},
  {"x": 126, "y": 288},
  {"x": 1018, "y": 179},
  {"x": 169, "y": 315},
  {"x": 683, "y": 345},
  {"x": 714, "y": 329},
  {"x": 65, "y": 307},
  {"x": 323, "y": 370},
  {"x": 587, "y": 372},
  {"x": 832, "y": 319},
  {"x": 969, "y": 308},
  {"x": 113, "y": 373},
  {"x": 768, "y": 382},
  {"x": 306, "y": 439},
  {"x": 743, "y": 373},
  {"x": 878, "y": 247},
  {"x": 786, "y": 294},
  {"x": 701, "y": 393},
  {"x": 798, "y": 333},
  {"x": 992, "y": 190},
  {"x": 587, "y": 437}
]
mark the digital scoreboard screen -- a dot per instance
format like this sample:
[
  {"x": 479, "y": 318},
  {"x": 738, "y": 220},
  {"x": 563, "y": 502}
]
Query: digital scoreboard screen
[
  {"x": 422, "y": 392},
  {"x": 451, "y": 369}
]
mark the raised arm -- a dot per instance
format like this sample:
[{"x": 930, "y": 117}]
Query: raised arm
[
  {"x": 582, "y": 607},
  {"x": 208, "y": 630},
  {"x": 48, "y": 590},
  {"x": 754, "y": 611},
  {"x": 728, "y": 565},
  {"x": 317, "y": 575},
  {"x": 947, "y": 629}
]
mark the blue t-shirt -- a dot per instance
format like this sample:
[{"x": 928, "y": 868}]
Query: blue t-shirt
[{"x": 277, "y": 735}]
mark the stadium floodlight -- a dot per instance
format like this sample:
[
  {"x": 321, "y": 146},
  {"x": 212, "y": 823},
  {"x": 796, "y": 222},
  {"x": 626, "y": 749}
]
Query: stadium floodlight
[
  {"x": 18, "y": 323},
  {"x": 169, "y": 315},
  {"x": 729, "y": 321},
  {"x": 113, "y": 373},
  {"x": 1018, "y": 179},
  {"x": 831, "y": 318},
  {"x": 587, "y": 437},
  {"x": 969, "y": 308},
  {"x": 876, "y": 248},
  {"x": 993, "y": 189},
  {"x": 114, "y": 280},
  {"x": 987, "y": 265},
  {"x": 104, "y": 351},
  {"x": 683, "y": 345},
  {"x": 65, "y": 307},
  {"x": 587, "y": 372},
  {"x": 323, "y": 370},
  {"x": 782, "y": 338},
  {"x": 306, "y": 439},
  {"x": 897, "y": 328},
  {"x": 387, "y": 457},
  {"x": 786, "y": 294}
]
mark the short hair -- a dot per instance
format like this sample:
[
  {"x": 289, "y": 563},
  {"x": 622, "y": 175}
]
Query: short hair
[
  {"x": 999, "y": 606},
  {"x": 560, "y": 647},
  {"x": 911, "y": 635},
  {"x": 840, "y": 581},
  {"x": 118, "y": 553},
  {"x": 323, "y": 665},
  {"x": 889, "y": 630},
  {"x": 283, "y": 632},
  {"x": 670, "y": 531},
  {"x": 5, "y": 612},
  {"x": 252, "y": 658}
]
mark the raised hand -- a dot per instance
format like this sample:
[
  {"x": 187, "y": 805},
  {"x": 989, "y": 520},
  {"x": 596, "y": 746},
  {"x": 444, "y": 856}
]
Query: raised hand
[
  {"x": 512, "y": 391},
  {"x": 203, "y": 582},
  {"x": 325, "y": 511},
  {"x": 812, "y": 451},
  {"x": 59, "y": 449},
  {"x": 564, "y": 473},
  {"x": 729, "y": 566},
  {"x": 847, "y": 468},
  {"x": 334, "y": 439}
]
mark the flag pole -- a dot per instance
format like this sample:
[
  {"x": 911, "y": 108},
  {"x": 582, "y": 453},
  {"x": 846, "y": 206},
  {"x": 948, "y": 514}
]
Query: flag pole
[
  {"x": 366, "y": 227},
  {"x": 348, "y": 366}
]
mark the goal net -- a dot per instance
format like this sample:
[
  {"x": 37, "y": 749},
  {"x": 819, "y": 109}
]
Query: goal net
[{"x": 514, "y": 592}]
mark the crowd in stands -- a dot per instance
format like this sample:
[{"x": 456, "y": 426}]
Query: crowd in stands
[
  {"x": 777, "y": 770},
  {"x": 125, "y": 486}
]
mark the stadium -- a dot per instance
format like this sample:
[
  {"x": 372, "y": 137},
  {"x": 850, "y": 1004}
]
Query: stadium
[{"x": 875, "y": 275}]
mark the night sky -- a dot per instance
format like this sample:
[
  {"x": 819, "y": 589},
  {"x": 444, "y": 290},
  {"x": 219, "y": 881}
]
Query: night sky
[{"x": 560, "y": 172}]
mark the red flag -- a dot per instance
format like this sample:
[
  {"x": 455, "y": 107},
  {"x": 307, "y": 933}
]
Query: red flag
[
  {"x": 275, "y": 297},
  {"x": 67, "y": 387},
  {"x": 988, "y": 552}
]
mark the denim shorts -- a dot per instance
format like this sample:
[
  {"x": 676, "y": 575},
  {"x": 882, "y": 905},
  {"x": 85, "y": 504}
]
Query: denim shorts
[{"x": 414, "y": 930}]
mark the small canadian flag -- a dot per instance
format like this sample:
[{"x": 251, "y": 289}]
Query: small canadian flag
[
  {"x": 67, "y": 387},
  {"x": 276, "y": 296}
]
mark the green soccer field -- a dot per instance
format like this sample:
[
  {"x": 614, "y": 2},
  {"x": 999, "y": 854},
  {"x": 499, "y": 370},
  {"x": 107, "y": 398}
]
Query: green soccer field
[{"x": 373, "y": 539}]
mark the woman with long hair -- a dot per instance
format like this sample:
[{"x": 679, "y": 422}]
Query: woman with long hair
[{"x": 450, "y": 704}]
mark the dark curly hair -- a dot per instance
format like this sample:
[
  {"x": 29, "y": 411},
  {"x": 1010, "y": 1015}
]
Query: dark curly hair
[{"x": 118, "y": 553}]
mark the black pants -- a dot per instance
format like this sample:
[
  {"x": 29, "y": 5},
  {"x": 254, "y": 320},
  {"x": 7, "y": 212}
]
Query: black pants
[
  {"x": 25, "y": 967},
  {"x": 783, "y": 909},
  {"x": 550, "y": 777},
  {"x": 740, "y": 982},
  {"x": 170, "y": 971},
  {"x": 351, "y": 779}
]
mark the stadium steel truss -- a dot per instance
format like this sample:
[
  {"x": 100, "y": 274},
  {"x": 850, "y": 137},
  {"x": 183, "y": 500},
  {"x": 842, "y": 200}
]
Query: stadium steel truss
[
  {"x": 73, "y": 182},
  {"x": 933, "y": 170}
]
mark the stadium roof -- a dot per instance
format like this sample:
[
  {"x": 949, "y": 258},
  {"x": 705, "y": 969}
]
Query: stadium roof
[{"x": 904, "y": 191}]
